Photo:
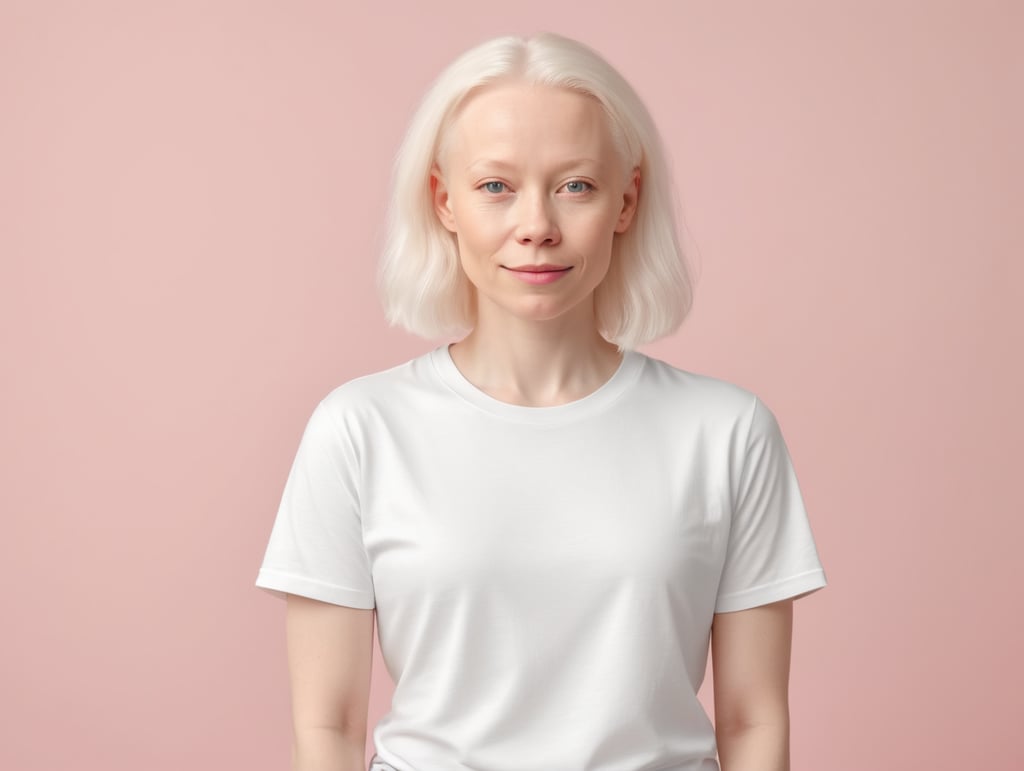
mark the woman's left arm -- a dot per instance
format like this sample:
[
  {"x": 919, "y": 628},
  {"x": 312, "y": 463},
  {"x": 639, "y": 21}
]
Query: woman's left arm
[{"x": 750, "y": 652}]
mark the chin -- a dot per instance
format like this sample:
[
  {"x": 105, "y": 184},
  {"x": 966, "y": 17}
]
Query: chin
[{"x": 543, "y": 309}]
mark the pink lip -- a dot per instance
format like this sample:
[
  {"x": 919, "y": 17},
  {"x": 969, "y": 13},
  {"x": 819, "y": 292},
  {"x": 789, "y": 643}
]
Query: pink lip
[{"x": 539, "y": 274}]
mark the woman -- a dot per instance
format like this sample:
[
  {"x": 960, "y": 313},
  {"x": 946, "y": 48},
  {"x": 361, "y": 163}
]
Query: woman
[{"x": 548, "y": 525}]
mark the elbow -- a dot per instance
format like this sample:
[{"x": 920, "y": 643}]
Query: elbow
[
  {"x": 752, "y": 715},
  {"x": 315, "y": 748},
  {"x": 749, "y": 743},
  {"x": 775, "y": 722}
]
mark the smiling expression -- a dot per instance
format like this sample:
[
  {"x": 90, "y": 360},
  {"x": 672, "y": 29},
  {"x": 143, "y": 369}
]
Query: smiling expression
[{"x": 534, "y": 190}]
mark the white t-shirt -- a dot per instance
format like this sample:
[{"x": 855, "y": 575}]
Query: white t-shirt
[{"x": 544, "y": 578}]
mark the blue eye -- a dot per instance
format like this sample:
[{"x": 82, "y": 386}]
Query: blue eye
[
  {"x": 494, "y": 187},
  {"x": 577, "y": 186}
]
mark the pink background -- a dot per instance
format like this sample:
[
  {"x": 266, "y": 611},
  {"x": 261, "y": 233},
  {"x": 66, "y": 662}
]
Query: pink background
[{"x": 191, "y": 204}]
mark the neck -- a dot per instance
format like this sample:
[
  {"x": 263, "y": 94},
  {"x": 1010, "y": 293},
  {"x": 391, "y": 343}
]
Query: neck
[{"x": 536, "y": 363}]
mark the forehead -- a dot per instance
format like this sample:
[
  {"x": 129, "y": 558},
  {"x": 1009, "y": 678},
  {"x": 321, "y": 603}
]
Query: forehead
[{"x": 524, "y": 121}]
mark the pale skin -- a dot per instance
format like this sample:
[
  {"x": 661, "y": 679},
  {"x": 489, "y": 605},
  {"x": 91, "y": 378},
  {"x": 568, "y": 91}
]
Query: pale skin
[{"x": 532, "y": 181}]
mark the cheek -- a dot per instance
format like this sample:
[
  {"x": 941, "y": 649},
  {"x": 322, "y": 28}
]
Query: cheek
[
  {"x": 478, "y": 229},
  {"x": 476, "y": 243},
  {"x": 598, "y": 228}
]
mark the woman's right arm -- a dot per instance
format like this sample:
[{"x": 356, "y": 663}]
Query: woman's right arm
[{"x": 330, "y": 653}]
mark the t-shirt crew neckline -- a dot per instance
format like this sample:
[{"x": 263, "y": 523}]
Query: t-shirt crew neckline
[{"x": 624, "y": 376}]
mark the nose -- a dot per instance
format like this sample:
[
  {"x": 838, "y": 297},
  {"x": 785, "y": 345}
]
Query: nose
[{"x": 536, "y": 224}]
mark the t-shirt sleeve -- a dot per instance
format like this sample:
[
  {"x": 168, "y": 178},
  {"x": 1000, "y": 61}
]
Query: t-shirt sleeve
[
  {"x": 316, "y": 545},
  {"x": 771, "y": 554}
]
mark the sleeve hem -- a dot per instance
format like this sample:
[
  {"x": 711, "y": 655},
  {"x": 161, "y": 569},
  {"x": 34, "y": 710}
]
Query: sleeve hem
[
  {"x": 281, "y": 584},
  {"x": 798, "y": 585}
]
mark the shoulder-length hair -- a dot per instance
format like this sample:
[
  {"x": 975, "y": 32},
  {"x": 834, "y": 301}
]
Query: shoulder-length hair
[{"x": 647, "y": 292}]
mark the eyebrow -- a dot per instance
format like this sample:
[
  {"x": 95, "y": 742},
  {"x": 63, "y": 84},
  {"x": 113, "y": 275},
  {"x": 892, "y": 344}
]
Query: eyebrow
[{"x": 497, "y": 163}]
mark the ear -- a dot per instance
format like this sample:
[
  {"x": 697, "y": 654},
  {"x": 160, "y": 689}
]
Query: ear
[
  {"x": 439, "y": 196},
  {"x": 630, "y": 197}
]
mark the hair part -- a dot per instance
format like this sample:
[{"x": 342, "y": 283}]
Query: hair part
[{"x": 647, "y": 291}]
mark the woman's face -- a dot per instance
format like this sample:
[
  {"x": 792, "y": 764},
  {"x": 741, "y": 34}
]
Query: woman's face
[{"x": 535, "y": 191}]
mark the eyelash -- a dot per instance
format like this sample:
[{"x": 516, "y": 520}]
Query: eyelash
[{"x": 589, "y": 186}]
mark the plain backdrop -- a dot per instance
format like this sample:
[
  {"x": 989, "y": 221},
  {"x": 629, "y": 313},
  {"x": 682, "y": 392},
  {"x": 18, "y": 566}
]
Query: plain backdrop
[{"x": 191, "y": 208}]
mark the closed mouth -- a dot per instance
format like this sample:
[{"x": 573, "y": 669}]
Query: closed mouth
[{"x": 538, "y": 268}]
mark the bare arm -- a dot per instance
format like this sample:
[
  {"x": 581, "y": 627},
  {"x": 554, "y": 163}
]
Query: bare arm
[
  {"x": 750, "y": 652},
  {"x": 330, "y": 649}
]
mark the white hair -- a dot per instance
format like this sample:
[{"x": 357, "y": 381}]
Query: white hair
[{"x": 647, "y": 291}]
